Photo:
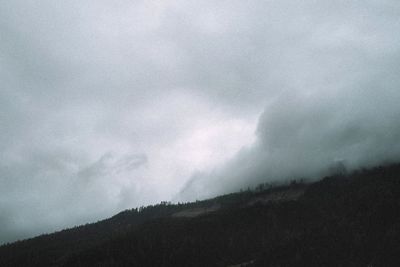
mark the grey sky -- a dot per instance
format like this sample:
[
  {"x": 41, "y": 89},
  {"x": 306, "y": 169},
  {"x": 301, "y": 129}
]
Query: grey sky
[{"x": 106, "y": 105}]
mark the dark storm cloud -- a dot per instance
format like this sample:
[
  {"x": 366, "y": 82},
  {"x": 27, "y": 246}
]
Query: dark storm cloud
[{"x": 121, "y": 102}]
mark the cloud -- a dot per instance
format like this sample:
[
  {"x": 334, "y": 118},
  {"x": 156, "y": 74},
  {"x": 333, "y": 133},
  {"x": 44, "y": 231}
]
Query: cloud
[
  {"x": 122, "y": 103},
  {"x": 338, "y": 101},
  {"x": 305, "y": 136}
]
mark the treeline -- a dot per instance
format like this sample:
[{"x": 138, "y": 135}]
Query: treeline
[{"x": 342, "y": 220}]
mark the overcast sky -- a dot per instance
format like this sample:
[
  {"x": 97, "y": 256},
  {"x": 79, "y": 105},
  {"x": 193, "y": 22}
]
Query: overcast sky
[{"x": 108, "y": 105}]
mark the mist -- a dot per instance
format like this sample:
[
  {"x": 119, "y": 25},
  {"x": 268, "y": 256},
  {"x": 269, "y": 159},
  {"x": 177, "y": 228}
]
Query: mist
[
  {"x": 107, "y": 106},
  {"x": 306, "y": 137}
]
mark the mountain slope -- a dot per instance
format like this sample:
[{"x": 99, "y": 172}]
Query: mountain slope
[{"x": 349, "y": 220}]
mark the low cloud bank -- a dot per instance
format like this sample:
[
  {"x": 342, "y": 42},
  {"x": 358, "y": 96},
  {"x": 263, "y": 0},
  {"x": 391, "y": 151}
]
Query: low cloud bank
[
  {"x": 112, "y": 105},
  {"x": 305, "y": 136}
]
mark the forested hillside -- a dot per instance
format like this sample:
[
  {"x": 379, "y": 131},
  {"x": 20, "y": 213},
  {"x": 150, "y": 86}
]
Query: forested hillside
[{"x": 342, "y": 220}]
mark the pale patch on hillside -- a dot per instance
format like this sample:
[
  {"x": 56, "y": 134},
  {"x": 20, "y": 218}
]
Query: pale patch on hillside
[
  {"x": 279, "y": 196},
  {"x": 190, "y": 213}
]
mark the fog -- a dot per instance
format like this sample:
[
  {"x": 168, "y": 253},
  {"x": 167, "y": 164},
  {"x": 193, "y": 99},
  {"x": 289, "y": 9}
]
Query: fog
[{"x": 111, "y": 105}]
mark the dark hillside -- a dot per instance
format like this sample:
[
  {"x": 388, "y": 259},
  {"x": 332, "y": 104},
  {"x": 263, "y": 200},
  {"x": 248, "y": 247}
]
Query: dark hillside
[{"x": 349, "y": 220}]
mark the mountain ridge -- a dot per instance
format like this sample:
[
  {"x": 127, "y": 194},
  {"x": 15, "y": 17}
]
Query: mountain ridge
[{"x": 347, "y": 215}]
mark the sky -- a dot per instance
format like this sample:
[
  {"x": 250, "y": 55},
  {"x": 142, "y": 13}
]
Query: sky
[{"x": 109, "y": 105}]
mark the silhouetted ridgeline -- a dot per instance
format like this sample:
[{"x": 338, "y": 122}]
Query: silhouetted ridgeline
[{"x": 349, "y": 220}]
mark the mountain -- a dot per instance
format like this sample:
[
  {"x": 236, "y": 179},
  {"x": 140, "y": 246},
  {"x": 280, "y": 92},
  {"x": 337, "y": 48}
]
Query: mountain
[{"x": 341, "y": 220}]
